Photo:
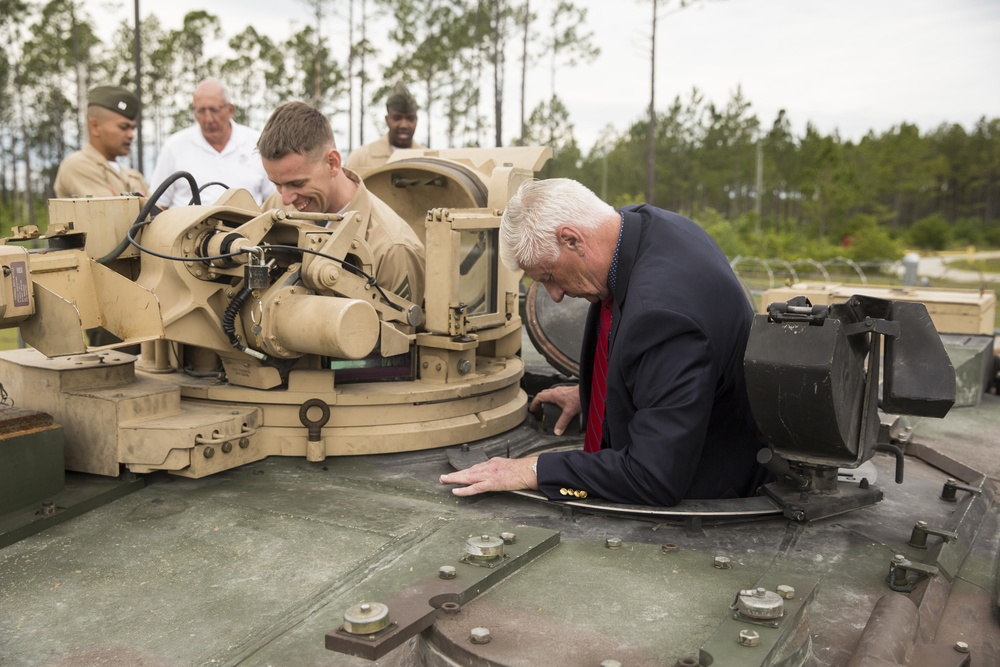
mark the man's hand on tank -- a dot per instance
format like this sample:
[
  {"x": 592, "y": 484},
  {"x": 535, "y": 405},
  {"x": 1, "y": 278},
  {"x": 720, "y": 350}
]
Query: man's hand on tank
[
  {"x": 497, "y": 474},
  {"x": 566, "y": 397}
]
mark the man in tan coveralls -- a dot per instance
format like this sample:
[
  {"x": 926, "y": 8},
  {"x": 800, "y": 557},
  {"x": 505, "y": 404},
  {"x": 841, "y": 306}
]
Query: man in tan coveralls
[
  {"x": 94, "y": 171},
  {"x": 300, "y": 157},
  {"x": 401, "y": 117}
]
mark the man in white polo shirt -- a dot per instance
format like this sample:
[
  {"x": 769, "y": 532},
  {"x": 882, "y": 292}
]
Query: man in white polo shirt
[{"x": 215, "y": 150}]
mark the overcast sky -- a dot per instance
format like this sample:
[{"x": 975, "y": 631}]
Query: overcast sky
[{"x": 848, "y": 65}]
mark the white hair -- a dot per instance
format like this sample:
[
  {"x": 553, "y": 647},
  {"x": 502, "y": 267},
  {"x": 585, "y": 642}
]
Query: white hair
[{"x": 537, "y": 210}]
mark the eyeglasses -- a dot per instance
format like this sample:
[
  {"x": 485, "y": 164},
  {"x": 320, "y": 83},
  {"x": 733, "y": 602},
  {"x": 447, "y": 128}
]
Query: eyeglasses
[{"x": 206, "y": 111}]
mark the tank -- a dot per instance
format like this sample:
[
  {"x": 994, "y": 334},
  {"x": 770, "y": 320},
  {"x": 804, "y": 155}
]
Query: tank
[{"x": 317, "y": 533}]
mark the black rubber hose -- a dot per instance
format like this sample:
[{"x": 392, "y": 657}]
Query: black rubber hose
[{"x": 148, "y": 208}]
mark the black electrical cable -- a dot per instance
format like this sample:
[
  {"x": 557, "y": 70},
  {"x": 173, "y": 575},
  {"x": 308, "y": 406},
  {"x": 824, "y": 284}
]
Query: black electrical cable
[
  {"x": 229, "y": 317},
  {"x": 202, "y": 189},
  {"x": 145, "y": 212}
]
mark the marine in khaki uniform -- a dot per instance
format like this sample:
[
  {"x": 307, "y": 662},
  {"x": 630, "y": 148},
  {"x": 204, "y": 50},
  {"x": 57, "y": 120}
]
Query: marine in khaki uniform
[
  {"x": 300, "y": 157},
  {"x": 401, "y": 118},
  {"x": 94, "y": 171}
]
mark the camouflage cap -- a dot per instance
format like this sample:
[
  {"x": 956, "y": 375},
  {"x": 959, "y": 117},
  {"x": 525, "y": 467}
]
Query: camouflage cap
[
  {"x": 401, "y": 100},
  {"x": 118, "y": 100}
]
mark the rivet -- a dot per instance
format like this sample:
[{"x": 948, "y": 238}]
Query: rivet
[
  {"x": 209, "y": 452},
  {"x": 479, "y": 636},
  {"x": 613, "y": 543},
  {"x": 438, "y": 367},
  {"x": 447, "y": 572},
  {"x": 244, "y": 443},
  {"x": 749, "y": 638},
  {"x": 962, "y": 647},
  {"x": 227, "y": 447}
]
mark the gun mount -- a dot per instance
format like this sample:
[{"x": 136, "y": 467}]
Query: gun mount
[{"x": 263, "y": 332}]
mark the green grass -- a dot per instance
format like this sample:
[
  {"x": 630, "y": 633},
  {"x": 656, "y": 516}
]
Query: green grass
[
  {"x": 984, "y": 265},
  {"x": 8, "y": 339}
]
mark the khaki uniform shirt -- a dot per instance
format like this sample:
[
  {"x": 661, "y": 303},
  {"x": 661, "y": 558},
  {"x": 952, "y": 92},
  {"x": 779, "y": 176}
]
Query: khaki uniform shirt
[
  {"x": 372, "y": 156},
  {"x": 86, "y": 173},
  {"x": 398, "y": 253}
]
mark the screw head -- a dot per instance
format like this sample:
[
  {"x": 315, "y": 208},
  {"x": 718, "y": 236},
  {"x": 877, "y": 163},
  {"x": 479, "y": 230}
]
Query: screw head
[
  {"x": 447, "y": 572},
  {"x": 480, "y": 636},
  {"x": 962, "y": 647},
  {"x": 613, "y": 543},
  {"x": 749, "y": 638}
]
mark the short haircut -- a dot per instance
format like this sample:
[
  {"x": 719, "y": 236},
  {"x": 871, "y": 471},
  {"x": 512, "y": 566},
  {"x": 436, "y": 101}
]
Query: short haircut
[
  {"x": 537, "y": 210},
  {"x": 295, "y": 127}
]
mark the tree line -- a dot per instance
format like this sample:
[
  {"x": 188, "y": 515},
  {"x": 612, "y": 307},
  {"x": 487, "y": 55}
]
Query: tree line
[
  {"x": 753, "y": 182},
  {"x": 820, "y": 195}
]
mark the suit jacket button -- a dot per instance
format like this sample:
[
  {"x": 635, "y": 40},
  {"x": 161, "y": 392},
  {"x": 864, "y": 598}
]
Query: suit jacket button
[{"x": 564, "y": 492}]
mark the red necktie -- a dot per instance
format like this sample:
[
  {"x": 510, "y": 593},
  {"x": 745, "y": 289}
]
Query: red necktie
[{"x": 599, "y": 382}]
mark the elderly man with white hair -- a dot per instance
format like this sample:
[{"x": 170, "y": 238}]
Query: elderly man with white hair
[
  {"x": 661, "y": 382},
  {"x": 215, "y": 149}
]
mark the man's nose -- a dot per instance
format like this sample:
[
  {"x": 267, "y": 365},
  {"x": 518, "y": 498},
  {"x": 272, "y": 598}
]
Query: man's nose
[
  {"x": 287, "y": 195},
  {"x": 556, "y": 293}
]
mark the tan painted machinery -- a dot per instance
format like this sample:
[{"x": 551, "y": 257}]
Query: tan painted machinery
[{"x": 263, "y": 332}]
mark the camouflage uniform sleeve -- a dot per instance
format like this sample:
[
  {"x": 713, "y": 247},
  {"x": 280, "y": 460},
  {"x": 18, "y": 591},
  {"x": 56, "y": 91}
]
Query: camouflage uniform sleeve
[{"x": 402, "y": 272}]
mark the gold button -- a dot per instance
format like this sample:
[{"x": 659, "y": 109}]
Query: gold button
[
  {"x": 565, "y": 492},
  {"x": 583, "y": 494}
]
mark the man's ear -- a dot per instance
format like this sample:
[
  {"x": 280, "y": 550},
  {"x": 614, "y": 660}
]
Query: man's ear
[
  {"x": 570, "y": 237},
  {"x": 333, "y": 161}
]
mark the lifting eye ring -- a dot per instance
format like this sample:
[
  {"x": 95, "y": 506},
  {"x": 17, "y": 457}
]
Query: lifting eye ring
[{"x": 314, "y": 426}]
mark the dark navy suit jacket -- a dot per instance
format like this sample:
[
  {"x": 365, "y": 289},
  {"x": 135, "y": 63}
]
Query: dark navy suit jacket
[{"x": 677, "y": 420}]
